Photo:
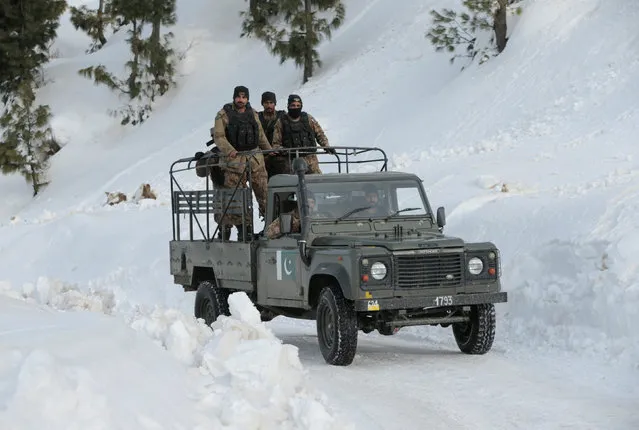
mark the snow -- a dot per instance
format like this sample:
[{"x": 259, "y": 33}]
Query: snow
[
  {"x": 79, "y": 368},
  {"x": 535, "y": 150}
]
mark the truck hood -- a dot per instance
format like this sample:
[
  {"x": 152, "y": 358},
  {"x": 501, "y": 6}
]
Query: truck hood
[{"x": 394, "y": 244}]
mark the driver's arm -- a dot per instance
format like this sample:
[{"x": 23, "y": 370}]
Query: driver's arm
[{"x": 273, "y": 229}]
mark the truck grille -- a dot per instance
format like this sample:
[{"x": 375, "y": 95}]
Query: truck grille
[{"x": 428, "y": 271}]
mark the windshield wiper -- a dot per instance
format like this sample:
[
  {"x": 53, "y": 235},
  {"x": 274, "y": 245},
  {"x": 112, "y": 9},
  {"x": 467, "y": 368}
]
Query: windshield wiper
[
  {"x": 402, "y": 210},
  {"x": 351, "y": 212}
]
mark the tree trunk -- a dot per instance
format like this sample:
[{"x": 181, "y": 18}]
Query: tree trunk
[
  {"x": 308, "y": 49},
  {"x": 100, "y": 28},
  {"x": 155, "y": 41},
  {"x": 499, "y": 25},
  {"x": 133, "y": 90},
  {"x": 28, "y": 143}
]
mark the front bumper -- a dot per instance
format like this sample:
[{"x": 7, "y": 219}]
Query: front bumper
[{"x": 415, "y": 302}]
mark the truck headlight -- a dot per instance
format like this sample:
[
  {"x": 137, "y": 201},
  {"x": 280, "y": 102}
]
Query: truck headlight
[
  {"x": 475, "y": 266},
  {"x": 378, "y": 270}
]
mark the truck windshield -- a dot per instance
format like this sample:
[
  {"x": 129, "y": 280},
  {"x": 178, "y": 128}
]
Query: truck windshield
[{"x": 352, "y": 200}]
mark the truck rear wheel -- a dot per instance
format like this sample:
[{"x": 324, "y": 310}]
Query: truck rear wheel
[
  {"x": 477, "y": 335},
  {"x": 211, "y": 302},
  {"x": 336, "y": 327}
]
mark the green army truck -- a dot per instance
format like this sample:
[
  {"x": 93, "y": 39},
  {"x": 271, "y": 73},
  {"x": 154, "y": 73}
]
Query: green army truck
[{"x": 356, "y": 262}]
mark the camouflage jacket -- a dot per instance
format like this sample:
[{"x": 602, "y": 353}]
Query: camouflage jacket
[
  {"x": 221, "y": 121},
  {"x": 320, "y": 136}
]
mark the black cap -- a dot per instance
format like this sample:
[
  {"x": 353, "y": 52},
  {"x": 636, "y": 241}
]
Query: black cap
[
  {"x": 294, "y": 98},
  {"x": 269, "y": 96},
  {"x": 240, "y": 89},
  {"x": 370, "y": 189}
]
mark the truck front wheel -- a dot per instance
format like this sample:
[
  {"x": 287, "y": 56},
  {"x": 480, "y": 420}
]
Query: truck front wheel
[
  {"x": 477, "y": 335},
  {"x": 336, "y": 327},
  {"x": 211, "y": 302}
]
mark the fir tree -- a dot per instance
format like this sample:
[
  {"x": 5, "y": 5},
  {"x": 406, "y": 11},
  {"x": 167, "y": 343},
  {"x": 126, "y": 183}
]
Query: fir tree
[
  {"x": 27, "y": 141},
  {"x": 151, "y": 69},
  {"x": 292, "y": 29},
  {"x": 94, "y": 22},
  {"x": 452, "y": 30},
  {"x": 27, "y": 27}
]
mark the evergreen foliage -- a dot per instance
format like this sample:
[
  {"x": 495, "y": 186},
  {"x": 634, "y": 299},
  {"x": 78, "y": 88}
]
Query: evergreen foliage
[
  {"x": 94, "y": 22},
  {"x": 151, "y": 67},
  {"x": 27, "y": 27},
  {"x": 453, "y": 30},
  {"x": 292, "y": 29},
  {"x": 27, "y": 141}
]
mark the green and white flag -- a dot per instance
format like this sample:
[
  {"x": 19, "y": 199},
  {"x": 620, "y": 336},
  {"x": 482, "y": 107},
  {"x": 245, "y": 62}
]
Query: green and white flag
[{"x": 286, "y": 262}]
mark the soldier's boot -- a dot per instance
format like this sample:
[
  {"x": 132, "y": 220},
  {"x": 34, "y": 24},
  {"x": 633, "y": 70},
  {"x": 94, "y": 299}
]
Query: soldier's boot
[
  {"x": 240, "y": 233},
  {"x": 224, "y": 232},
  {"x": 243, "y": 232}
]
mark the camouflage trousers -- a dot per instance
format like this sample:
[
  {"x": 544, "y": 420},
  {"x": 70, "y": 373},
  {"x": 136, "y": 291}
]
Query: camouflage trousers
[
  {"x": 313, "y": 164},
  {"x": 281, "y": 165},
  {"x": 235, "y": 178}
]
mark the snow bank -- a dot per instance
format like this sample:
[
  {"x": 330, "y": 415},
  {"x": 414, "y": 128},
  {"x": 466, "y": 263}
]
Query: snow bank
[
  {"x": 246, "y": 377},
  {"x": 578, "y": 302}
]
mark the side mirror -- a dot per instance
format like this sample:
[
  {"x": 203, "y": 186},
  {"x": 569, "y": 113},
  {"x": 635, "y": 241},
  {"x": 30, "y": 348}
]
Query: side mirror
[
  {"x": 286, "y": 223},
  {"x": 441, "y": 217}
]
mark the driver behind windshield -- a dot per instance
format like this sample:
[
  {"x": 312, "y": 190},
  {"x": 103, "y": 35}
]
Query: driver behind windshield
[
  {"x": 372, "y": 199},
  {"x": 273, "y": 229}
]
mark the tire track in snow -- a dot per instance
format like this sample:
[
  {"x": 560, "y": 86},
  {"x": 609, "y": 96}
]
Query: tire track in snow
[{"x": 435, "y": 384}]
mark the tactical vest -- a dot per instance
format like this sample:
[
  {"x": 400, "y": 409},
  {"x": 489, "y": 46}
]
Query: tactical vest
[
  {"x": 269, "y": 125},
  {"x": 298, "y": 134},
  {"x": 242, "y": 130}
]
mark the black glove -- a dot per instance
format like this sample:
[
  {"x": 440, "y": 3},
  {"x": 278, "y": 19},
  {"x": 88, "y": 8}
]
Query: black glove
[
  {"x": 198, "y": 155},
  {"x": 330, "y": 150}
]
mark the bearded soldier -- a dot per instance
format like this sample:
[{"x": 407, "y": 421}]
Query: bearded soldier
[
  {"x": 268, "y": 119},
  {"x": 238, "y": 129}
]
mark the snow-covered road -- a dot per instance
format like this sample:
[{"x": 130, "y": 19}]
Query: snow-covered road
[{"x": 429, "y": 384}]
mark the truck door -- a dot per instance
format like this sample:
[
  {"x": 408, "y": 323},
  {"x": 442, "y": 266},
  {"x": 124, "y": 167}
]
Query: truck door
[{"x": 279, "y": 271}]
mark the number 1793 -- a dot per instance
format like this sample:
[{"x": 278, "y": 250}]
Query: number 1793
[{"x": 444, "y": 301}]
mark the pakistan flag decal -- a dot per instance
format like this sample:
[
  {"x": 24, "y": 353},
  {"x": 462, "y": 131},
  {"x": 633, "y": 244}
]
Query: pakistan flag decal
[{"x": 286, "y": 262}]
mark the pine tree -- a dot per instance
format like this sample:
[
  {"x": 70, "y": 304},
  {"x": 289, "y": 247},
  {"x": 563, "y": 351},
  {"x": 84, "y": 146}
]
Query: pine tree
[
  {"x": 94, "y": 22},
  {"x": 27, "y": 27},
  {"x": 452, "y": 29},
  {"x": 27, "y": 141},
  {"x": 292, "y": 29},
  {"x": 151, "y": 68}
]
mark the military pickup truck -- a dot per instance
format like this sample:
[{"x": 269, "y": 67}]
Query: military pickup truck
[{"x": 369, "y": 254}]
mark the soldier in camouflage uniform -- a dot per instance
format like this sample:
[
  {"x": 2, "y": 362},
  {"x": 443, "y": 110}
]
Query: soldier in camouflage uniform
[
  {"x": 238, "y": 129},
  {"x": 273, "y": 229},
  {"x": 299, "y": 129},
  {"x": 268, "y": 119}
]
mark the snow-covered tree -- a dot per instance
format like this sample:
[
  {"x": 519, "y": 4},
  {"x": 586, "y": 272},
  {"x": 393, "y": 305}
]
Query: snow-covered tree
[
  {"x": 94, "y": 22},
  {"x": 151, "y": 67},
  {"x": 27, "y": 27},
  {"x": 452, "y": 30},
  {"x": 27, "y": 141},
  {"x": 292, "y": 29}
]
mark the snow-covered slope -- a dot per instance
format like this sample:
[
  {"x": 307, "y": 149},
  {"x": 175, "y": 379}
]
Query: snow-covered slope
[{"x": 553, "y": 120}]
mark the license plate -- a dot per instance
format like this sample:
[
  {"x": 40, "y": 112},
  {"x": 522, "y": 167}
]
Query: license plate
[{"x": 444, "y": 301}]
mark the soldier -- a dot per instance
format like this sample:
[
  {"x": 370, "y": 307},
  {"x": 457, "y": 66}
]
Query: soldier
[
  {"x": 299, "y": 129},
  {"x": 372, "y": 198},
  {"x": 268, "y": 118},
  {"x": 273, "y": 229},
  {"x": 238, "y": 129}
]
